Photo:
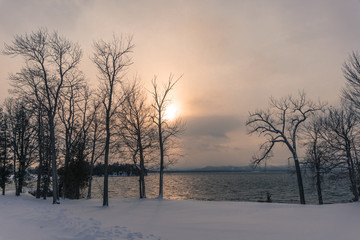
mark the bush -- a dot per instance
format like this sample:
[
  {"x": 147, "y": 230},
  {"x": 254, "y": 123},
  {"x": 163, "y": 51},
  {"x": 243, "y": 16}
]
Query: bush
[{"x": 77, "y": 177}]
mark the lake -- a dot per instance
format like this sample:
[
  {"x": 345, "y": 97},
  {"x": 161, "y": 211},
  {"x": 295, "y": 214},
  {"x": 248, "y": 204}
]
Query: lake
[{"x": 226, "y": 186}]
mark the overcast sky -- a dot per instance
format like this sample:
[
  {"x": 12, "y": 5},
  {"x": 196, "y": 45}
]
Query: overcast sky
[{"x": 234, "y": 55}]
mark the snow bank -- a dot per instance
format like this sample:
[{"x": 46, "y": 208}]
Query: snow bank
[{"x": 28, "y": 218}]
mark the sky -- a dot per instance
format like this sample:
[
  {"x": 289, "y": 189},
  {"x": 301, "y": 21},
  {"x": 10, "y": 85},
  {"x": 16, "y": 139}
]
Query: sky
[{"x": 233, "y": 55}]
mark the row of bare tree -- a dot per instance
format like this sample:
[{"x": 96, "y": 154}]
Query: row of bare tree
[
  {"x": 54, "y": 120},
  {"x": 330, "y": 135}
]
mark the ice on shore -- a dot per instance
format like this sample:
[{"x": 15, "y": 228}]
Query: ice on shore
[{"x": 28, "y": 218}]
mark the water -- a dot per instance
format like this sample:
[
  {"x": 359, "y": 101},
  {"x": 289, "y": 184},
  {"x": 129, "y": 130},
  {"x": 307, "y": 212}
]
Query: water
[{"x": 236, "y": 186}]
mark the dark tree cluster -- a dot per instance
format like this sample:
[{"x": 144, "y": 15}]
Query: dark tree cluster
[
  {"x": 54, "y": 122},
  {"x": 330, "y": 135}
]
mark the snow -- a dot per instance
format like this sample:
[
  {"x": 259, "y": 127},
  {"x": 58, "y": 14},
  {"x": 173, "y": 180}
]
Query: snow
[{"x": 28, "y": 218}]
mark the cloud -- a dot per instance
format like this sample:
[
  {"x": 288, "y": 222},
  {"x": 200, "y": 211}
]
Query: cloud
[
  {"x": 22, "y": 16},
  {"x": 212, "y": 126},
  {"x": 234, "y": 56}
]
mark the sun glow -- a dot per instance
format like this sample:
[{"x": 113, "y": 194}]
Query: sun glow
[{"x": 171, "y": 112}]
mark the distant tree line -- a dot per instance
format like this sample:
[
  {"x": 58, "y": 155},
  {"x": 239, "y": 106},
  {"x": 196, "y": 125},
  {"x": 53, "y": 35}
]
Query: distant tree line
[
  {"x": 330, "y": 135},
  {"x": 117, "y": 169},
  {"x": 56, "y": 123}
]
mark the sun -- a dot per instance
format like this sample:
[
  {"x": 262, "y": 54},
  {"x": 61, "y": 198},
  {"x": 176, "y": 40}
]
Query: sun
[{"x": 171, "y": 112}]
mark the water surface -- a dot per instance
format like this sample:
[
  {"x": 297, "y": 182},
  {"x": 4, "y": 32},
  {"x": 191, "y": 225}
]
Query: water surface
[{"x": 221, "y": 186}]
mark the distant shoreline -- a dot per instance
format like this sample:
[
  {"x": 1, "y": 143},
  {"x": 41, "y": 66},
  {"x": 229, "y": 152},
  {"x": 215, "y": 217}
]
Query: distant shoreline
[
  {"x": 224, "y": 171},
  {"x": 228, "y": 169}
]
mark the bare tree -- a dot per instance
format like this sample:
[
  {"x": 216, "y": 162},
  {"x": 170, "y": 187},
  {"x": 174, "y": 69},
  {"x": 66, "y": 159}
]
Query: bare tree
[
  {"x": 280, "y": 123},
  {"x": 351, "y": 72},
  {"x": 166, "y": 130},
  {"x": 341, "y": 136},
  {"x": 50, "y": 58},
  {"x": 97, "y": 141},
  {"x": 70, "y": 107},
  {"x": 351, "y": 95},
  {"x": 319, "y": 157},
  {"x": 23, "y": 138},
  {"x": 111, "y": 59},
  {"x": 86, "y": 138},
  {"x": 136, "y": 129}
]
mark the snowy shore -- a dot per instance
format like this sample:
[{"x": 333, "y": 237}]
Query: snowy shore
[{"x": 28, "y": 218}]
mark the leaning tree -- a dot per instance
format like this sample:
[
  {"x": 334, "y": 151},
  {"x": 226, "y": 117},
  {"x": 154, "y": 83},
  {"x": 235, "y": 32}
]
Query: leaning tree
[{"x": 280, "y": 124}]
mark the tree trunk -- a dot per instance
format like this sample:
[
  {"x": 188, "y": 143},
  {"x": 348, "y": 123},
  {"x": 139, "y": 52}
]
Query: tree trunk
[
  {"x": 40, "y": 168},
  {"x": 351, "y": 169},
  {"x": 107, "y": 148},
  {"x": 46, "y": 172},
  {"x": 21, "y": 174},
  {"x": 38, "y": 182},
  {"x": 142, "y": 168},
  {"x": 90, "y": 181},
  {"x": 3, "y": 185},
  {"x": 92, "y": 162},
  {"x": 299, "y": 179},
  {"x": 53, "y": 161},
  {"x": 47, "y": 179},
  {"x": 161, "y": 160},
  {"x": 14, "y": 171},
  {"x": 318, "y": 184},
  {"x": 353, "y": 184},
  {"x": 106, "y": 162},
  {"x": 140, "y": 187},
  {"x": 67, "y": 160},
  {"x": 143, "y": 185},
  {"x": 77, "y": 190},
  {"x": 5, "y": 157}
]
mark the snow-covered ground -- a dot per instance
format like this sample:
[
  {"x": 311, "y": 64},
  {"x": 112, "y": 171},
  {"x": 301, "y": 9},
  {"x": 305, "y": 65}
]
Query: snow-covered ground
[{"x": 28, "y": 218}]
